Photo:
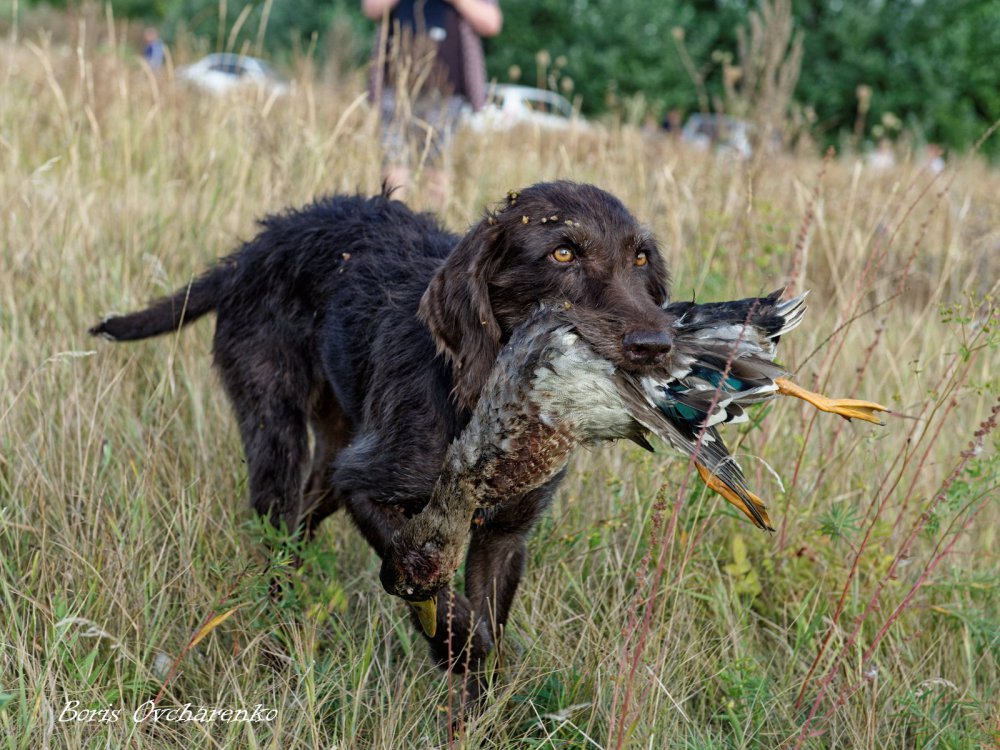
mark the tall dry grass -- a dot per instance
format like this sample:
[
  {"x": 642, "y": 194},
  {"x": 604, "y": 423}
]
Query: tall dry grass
[{"x": 650, "y": 615}]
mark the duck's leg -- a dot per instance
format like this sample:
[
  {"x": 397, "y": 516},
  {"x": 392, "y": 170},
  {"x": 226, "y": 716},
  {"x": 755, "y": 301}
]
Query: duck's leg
[
  {"x": 848, "y": 408},
  {"x": 754, "y": 509}
]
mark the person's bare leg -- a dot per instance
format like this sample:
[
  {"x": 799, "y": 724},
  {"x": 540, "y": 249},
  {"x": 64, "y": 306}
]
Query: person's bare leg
[
  {"x": 398, "y": 176},
  {"x": 433, "y": 196},
  {"x": 438, "y": 188}
]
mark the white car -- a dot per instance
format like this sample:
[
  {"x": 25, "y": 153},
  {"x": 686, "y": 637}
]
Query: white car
[
  {"x": 222, "y": 72},
  {"x": 509, "y": 105}
]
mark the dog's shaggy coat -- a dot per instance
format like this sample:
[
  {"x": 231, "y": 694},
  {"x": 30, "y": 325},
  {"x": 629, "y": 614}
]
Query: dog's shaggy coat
[{"x": 373, "y": 327}]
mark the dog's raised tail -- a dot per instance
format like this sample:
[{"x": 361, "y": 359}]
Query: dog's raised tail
[{"x": 168, "y": 314}]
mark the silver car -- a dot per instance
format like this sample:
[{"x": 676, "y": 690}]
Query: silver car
[
  {"x": 509, "y": 105},
  {"x": 222, "y": 72}
]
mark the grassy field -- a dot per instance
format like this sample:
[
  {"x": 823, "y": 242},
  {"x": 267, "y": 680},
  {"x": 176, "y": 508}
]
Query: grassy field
[{"x": 651, "y": 615}]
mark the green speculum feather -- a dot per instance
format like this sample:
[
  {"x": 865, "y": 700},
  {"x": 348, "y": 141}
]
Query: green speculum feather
[{"x": 682, "y": 412}]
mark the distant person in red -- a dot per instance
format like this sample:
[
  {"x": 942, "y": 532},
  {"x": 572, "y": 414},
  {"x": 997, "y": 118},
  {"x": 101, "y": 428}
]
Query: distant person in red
[{"x": 427, "y": 66}]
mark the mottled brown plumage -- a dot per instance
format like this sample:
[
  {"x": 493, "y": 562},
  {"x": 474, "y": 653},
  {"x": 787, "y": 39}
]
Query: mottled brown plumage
[{"x": 549, "y": 393}]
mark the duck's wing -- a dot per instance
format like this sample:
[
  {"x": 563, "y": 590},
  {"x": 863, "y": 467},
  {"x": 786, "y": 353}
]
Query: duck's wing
[
  {"x": 728, "y": 347},
  {"x": 687, "y": 429},
  {"x": 715, "y": 385},
  {"x": 757, "y": 322},
  {"x": 731, "y": 345}
]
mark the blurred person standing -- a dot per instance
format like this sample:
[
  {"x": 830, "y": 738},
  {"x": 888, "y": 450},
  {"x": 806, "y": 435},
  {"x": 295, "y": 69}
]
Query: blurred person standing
[
  {"x": 152, "y": 51},
  {"x": 427, "y": 66},
  {"x": 933, "y": 160}
]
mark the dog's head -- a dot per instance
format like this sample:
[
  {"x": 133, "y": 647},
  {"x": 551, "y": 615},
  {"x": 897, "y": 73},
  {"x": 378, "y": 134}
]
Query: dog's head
[{"x": 556, "y": 243}]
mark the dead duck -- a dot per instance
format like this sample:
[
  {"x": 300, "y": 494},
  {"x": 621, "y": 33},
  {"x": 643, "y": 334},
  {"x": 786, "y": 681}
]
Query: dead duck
[{"x": 551, "y": 392}]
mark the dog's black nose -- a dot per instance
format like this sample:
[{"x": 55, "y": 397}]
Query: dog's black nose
[{"x": 646, "y": 347}]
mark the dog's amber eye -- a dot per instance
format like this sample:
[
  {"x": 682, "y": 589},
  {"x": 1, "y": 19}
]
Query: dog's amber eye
[
  {"x": 641, "y": 260},
  {"x": 562, "y": 255}
]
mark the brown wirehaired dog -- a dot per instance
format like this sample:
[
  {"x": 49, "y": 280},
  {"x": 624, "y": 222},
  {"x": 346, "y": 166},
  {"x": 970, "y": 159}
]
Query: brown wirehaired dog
[{"x": 375, "y": 328}]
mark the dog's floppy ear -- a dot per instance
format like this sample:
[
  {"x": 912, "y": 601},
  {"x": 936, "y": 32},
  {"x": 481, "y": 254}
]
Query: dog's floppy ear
[
  {"x": 456, "y": 308},
  {"x": 659, "y": 284}
]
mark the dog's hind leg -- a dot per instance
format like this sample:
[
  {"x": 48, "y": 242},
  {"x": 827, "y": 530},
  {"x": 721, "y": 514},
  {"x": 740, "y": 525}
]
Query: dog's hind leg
[
  {"x": 330, "y": 433},
  {"x": 277, "y": 451},
  {"x": 267, "y": 380}
]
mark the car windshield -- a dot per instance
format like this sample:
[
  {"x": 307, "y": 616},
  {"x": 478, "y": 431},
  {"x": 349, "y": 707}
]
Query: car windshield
[
  {"x": 551, "y": 105},
  {"x": 235, "y": 65},
  {"x": 531, "y": 100}
]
